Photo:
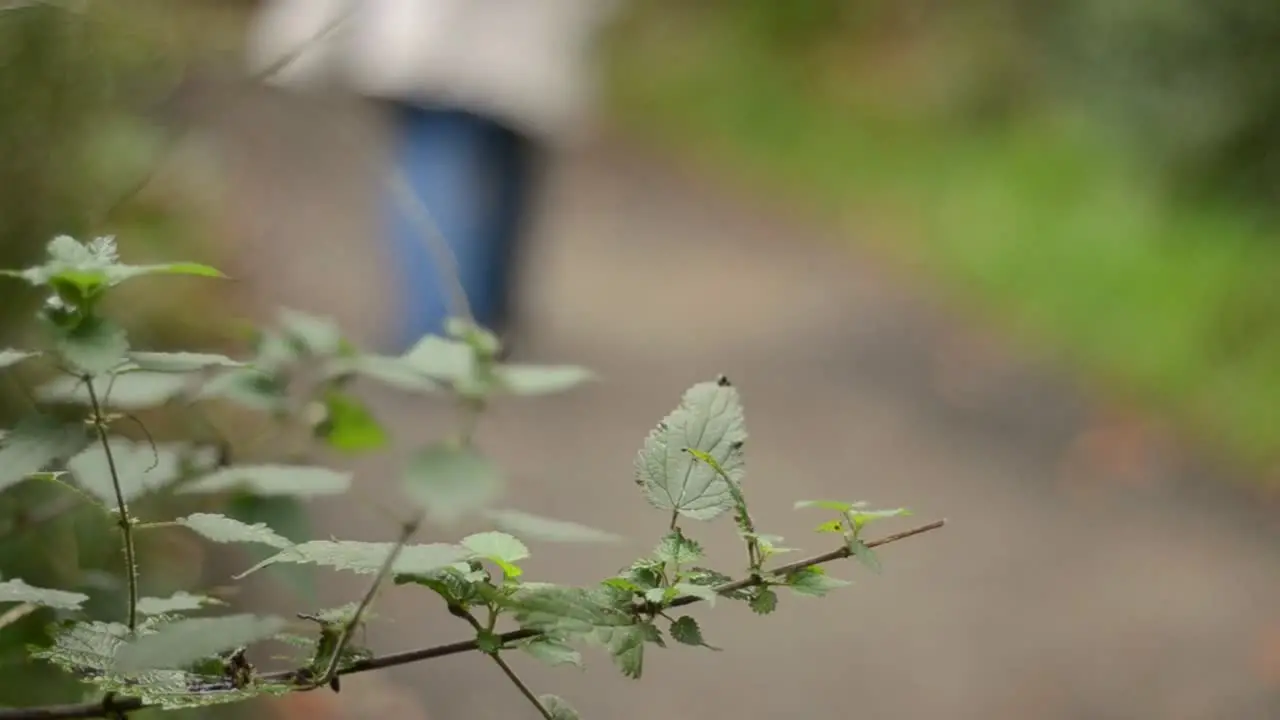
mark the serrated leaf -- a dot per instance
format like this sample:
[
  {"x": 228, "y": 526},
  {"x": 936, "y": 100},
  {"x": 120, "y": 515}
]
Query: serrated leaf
[
  {"x": 222, "y": 529},
  {"x": 764, "y": 601},
  {"x": 140, "y": 469},
  {"x": 35, "y": 443},
  {"x": 541, "y": 379},
  {"x": 710, "y": 420},
  {"x": 627, "y": 647},
  {"x": 814, "y": 581},
  {"x": 564, "y": 611},
  {"x": 547, "y": 529},
  {"x": 12, "y": 357},
  {"x": 349, "y": 426},
  {"x": 178, "y": 602},
  {"x": 16, "y": 590},
  {"x": 273, "y": 480},
  {"x": 94, "y": 347},
  {"x": 837, "y": 505},
  {"x": 496, "y": 546},
  {"x": 451, "y": 481},
  {"x": 551, "y": 651},
  {"x": 558, "y": 708},
  {"x": 677, "y": 549},
  {"x": 179, "y": 362},
  {"x": 180, "y": 643},
  {"x": 685, "y": 630},
  {"x": 137, "y": 390},
  {"x": 367, "y": 557},
  {"x": 865, "y": 555}
]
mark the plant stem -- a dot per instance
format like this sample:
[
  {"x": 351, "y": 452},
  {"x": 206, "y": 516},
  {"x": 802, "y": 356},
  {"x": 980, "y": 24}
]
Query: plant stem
[
  {"x": 114, "y": 707},
  {"x": 331, "y": 671},
  {"x": 126, "y": 524},
  {"x": 524, "y": 689}
]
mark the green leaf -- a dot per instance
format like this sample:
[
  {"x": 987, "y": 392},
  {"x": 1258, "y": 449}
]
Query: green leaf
[
  {"x": 137, "y": 390},
  {"x": 627, "y": 647},
  {"x": 814, "y": 581},
  {"x": 547, "y": 529},
  {"x": 273, "y": 480},
  {"x": 35, "y": 443},
  {"x": 861, "y": 517},
  {"x": 179, "y": 362},
  {"x": 367, "y": 557},
  {"x": 119, "y": 273},
  {"x": 541, "y": 380},
  {"x": 13, "y": 357},
  {"x": 178, "y": 644},
  {"x": 558, "y": 708},
  {"x": 677, "y": 549},
  {"x": 865, "y": 555},
  {"x": 451, "y": 481},
  {"x": 685, "y": 630},
  {"x": 178, "y": 602},
  {"x": 249, "y": 387},
  {"x": 837, "y": 505},
  {"x": 349, "y": 426},
  {"x": 764, "y": 601},
  {"x": 564, "y": 612},
  {"x": 831, "y": 526},
  {"x": 16, "y": 590},
  {"x": 710, "y": 420},
  {"x": 551, "y": 651},
  {"x": 222, "y": 529},
  {"x": 140, "y": 468},
  {"x": 94, "y": 347},
  {"x": 497, "y": 546}
]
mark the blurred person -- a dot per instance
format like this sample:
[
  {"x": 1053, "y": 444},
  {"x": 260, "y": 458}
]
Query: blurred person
[{"x": 477, "y": 92}]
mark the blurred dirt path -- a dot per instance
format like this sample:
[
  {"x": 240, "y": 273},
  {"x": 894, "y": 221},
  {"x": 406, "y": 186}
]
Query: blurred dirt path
[{"x": 1074, "y": 581}]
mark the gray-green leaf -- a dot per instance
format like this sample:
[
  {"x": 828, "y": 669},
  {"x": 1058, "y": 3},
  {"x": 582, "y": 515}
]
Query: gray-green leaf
[
  {"x": 273, "y": 480},
  {"x": 450, "y": 481},
  {"x": 497, "y": 546},
  {"x": 558, "y": 708},
  {"x": 178, "y": 644},
  {"x": 35, "y": 443},
  {"x": 15, "y": 590},
  {"x": 222, "y": 529},
  {"x": 136, "y": 390},
  {"x": 541, "y": 379},
  {"x": 180, "y": 601},
  {"x": 96, "y": 346},
  {"x": 139, "y": 468},
  {"x": 547, "y": 529},
  {"x": 551, "y": 651},
  {"x": 12, "y": 357},
  {"x": 685, "y": 630},
  {"x": 764, "y": 601},
  {"x": 814, "y": 581},
  {"x": 709, "y": 419},
  {"x": 367, "y": 557}
]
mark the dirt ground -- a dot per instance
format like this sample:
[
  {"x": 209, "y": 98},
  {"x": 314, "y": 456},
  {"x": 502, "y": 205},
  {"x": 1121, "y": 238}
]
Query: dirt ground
[{"x": 1084, "y": 573}]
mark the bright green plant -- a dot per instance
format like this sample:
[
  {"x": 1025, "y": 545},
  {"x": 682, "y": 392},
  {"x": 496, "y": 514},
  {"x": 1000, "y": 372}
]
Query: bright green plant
[{"x": 165, "y": 652}]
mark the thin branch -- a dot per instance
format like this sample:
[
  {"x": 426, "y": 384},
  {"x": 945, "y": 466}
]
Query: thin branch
[
  {"x": 436, "y": 244},
  {"x": 331, "y": 671},
  {"x": 113, "y": 707},
  {"x": 524, "y": 689},
  {"x": 126, "y": 525}
]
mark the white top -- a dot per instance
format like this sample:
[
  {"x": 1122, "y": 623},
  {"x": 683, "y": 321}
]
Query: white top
[{"x": 524, "y": 62}]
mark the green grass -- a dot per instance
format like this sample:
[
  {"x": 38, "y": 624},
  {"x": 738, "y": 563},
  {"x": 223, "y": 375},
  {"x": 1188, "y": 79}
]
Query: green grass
[{"x": 1043, "y": 222}]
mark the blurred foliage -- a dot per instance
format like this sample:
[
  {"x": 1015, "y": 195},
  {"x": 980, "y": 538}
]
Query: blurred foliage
[
  {"x": 81, "y": 84},
  {"x": 972, "y": 141}
]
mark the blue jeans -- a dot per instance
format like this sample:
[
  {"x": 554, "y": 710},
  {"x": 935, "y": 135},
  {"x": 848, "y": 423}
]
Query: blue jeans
[{"x": 473, "y": 176}]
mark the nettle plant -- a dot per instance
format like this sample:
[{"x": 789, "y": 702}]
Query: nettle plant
[{"x": 163, "y": 654}]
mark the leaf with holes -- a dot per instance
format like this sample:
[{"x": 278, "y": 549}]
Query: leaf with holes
[
  {"x": 178, "y": 644},
  {"x": 710, "y": 420},
  {"x": 273, "y": 480},
  {"x": 222, "y": 529},
  {"x": 15, "y": 590}
]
